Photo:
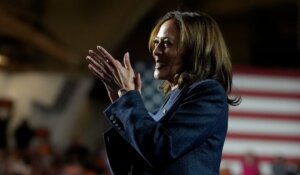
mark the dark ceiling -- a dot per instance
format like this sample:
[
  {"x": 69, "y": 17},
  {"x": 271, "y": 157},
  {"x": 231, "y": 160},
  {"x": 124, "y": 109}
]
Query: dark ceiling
[{"x": 56, "y": 35}]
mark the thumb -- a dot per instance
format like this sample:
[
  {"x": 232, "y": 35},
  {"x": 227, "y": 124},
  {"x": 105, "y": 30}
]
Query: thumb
[
  {"x": 138, "y": 82},
  {"x": 127, "y": 61}
]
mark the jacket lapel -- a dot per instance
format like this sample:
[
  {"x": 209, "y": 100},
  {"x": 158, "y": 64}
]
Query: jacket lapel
[{"x": 174, "y": 104}]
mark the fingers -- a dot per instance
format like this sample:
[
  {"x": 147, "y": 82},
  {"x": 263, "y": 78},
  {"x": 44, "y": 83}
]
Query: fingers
[
  {"x": 104, "y": 65},
  {"x": 96, "y": 71},
  {"x": 102, "y": 60},
  {"x": 127, "y": 63},
  {"x": 106, "y": 79},
  {"x": 97, "y": 67},
  {"x": 111, "y": 71},
  {"x": 105, "y": 55},
  {"x": 94, "y": 62},
  {"x": 138, "y": 82}
]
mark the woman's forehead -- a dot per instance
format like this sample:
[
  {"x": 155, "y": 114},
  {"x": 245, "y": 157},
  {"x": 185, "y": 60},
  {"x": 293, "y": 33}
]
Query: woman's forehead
[{"x": 168, "y": 29}]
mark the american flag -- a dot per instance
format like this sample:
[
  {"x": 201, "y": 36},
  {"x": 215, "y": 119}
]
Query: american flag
[{"x": 267, "y": 122}]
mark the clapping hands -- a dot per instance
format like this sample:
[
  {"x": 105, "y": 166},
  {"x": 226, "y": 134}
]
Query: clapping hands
[{"x": 112, "y": 73}]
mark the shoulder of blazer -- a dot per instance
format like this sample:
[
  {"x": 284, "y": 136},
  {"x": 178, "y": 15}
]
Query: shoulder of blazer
[
  {"x": 203, "y": 84},
  {"x": 208, "y": 83}
]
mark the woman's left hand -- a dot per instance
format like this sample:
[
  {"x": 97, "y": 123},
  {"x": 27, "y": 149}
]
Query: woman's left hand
[{"x": 113, "y": 74}]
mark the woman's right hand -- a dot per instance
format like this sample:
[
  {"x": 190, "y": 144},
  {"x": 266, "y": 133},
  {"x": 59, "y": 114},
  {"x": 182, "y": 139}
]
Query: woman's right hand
[
  {"x": 111, "y": 72},
  {"x": 97, "y": 67}
]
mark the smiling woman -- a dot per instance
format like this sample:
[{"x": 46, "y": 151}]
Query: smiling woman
[
  {"x": 168, "y": 61},
  {"x": 186, "y": 135}
]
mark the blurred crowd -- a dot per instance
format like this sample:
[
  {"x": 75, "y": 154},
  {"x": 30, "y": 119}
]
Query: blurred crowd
[
  {"x": 251, "y": 165},
  {"x": 33, "y": 154}
]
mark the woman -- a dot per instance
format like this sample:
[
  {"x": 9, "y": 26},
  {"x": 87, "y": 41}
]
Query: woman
[{"x": 186, "y": 135}]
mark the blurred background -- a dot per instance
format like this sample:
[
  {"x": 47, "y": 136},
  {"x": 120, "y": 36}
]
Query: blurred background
[{"x": 51, "y": 107}]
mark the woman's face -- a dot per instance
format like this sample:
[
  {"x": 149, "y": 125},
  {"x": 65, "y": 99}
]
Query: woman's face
[{"x": 166, "y": 54}]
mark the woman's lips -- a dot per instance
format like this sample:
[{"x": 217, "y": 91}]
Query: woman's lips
[{"x": 159, "y": 65}]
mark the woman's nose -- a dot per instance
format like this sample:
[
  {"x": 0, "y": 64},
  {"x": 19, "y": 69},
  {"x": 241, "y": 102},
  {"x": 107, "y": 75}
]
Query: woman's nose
[{"x": 157, "y": 50}]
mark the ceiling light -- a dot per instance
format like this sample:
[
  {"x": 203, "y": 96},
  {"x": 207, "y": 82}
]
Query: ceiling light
[{"x": 3, "y": 60}]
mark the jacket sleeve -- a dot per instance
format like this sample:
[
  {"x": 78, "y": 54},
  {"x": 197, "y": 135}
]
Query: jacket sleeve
[
  {"x": 200, "y": 113},
  {"x": 119, "y": 152}
]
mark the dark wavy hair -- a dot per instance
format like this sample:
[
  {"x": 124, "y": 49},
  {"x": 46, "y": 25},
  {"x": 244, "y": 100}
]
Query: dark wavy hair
[{"x": 203, "y": 49}]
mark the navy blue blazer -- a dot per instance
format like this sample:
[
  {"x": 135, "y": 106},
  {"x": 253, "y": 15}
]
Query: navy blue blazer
[{"x": 185, "y": 137}]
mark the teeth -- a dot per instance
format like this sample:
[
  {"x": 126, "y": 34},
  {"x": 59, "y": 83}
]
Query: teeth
[
  {"x": 159, "y": 62},
  {"x": 159, "y": 65}
]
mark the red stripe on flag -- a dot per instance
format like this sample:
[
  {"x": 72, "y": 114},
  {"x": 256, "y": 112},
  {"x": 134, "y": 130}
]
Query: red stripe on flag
[
  {"x": 266, "y": 158},
  {"x": 238, "y": 92},
  {"x": 274, "y": 72},
  {"x": 273, "y": 116},
  {"x": 264, "y": 137}
]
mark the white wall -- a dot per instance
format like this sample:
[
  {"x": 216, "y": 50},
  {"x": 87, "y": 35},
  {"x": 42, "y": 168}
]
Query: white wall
[{"x": 25, "y": 88}]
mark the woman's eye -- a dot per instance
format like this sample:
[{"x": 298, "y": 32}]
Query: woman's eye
[{"x": 167, "y": 43}]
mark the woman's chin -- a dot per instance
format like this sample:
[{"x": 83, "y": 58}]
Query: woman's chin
[{"x": 157, "y": 76}]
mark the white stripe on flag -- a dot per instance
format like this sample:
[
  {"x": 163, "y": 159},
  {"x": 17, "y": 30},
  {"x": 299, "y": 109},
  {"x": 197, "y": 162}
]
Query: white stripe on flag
[
  {"x": 269, "y": 105},
  {"x": 266, "y": 83},
  {"x": 265, "y": 148},
  {"x": 264, "y": 126}
]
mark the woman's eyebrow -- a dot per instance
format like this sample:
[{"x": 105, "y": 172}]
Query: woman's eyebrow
[{"x": 162, "y": 38}]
